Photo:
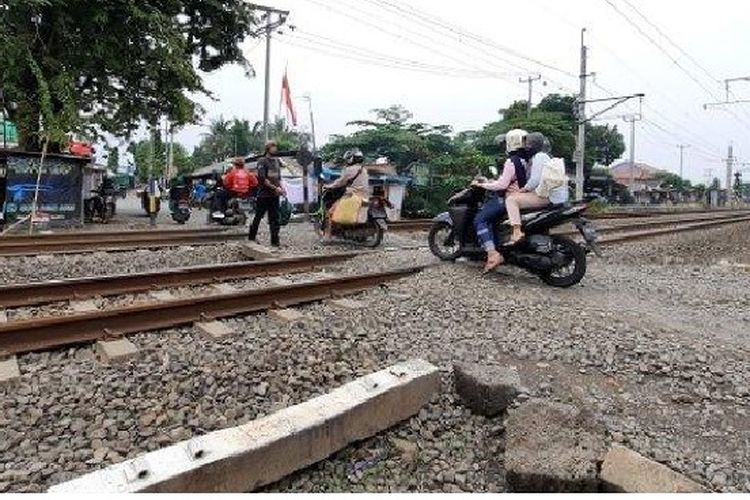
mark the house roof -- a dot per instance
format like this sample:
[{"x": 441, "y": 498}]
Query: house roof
[{"x": 642, "y": 171}]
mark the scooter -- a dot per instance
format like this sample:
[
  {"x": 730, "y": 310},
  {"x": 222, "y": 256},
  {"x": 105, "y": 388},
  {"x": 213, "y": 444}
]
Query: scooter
[
  {"x": 557, "y": 260},
  {"x": 370, "y": 233},
  {"x": 236, "y": 213},
  {"x": 179, "y": 204}
]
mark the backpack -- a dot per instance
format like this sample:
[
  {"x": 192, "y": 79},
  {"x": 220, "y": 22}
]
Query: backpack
[{"x": 553, "y": 177}]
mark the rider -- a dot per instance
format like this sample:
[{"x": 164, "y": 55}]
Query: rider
[
  {"x": 354, "y": 180},
  {"x": 513, "y": 178},
  {"x": 237, "y": 183},
  {"x": 538, "y": 148}
]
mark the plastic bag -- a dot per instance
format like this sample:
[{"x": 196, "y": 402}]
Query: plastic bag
[{"x": 285, "y": 211}]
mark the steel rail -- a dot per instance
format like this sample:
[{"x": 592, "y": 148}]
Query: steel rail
[
  {"x": 123, "y": 242},
  {"x": 28, "y": 294},
  {"x": 640, "y": 235},
  {"x": 105, "y": 235},
  {"x": 55, "y": 332}
]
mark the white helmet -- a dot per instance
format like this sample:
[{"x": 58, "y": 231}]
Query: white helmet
[{"x": 514, "y": 140}]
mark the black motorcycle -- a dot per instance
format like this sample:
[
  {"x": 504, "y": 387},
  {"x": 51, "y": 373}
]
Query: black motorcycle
[
  {"x": 179, "y": 203},
  {"x": 102, "y": 206},
  {"x": 557, "y": 260},
  {"x": 235, "y": 213}
]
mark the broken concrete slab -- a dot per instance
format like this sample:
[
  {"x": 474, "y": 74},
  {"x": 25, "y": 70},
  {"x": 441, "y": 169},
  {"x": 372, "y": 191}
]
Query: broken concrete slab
[
  {"x": 255, "y": 251},
  {"x": 83, "y": 306},
  {"x": 224, "y": 288},
  {"x": 161, "y": 295},
  {"x": 286, "y": 315},
  {"x": 213, "y": 330},
  {"x": 348, "y": 304},
  {"x": 279, "y": 281},
  {"x": 487, "y": 390},
  {"x": 625, "y": 471},
  {"x": 244, "y": 458},
  {"x": 9, "y": 370},
  {"x": 552, "y": 447},
  {"x": 3, "y": 316},
  {"x": 115, "y": 351}
]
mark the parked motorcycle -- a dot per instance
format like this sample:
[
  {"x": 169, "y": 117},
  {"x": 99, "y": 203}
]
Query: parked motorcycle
[
  {"x": 179, "y": 204},
  {"x": 557, "y": 260},
  {"x": 236, "y": 212},
  {"x": 369, "y": 234},
  {"x": 101, "y": 206}
]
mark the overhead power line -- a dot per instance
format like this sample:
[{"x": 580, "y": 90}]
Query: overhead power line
[
  {"x": 444, "y": 27},
  {"x": 670, "y": 40}
]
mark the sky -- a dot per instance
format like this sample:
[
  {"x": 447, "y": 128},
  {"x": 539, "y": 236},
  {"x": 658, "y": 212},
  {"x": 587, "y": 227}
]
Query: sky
[{"x": 458, "y": 64}]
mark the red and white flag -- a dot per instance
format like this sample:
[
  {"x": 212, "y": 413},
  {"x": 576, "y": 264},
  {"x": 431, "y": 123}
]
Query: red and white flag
[{"x": 286, "y": 97}]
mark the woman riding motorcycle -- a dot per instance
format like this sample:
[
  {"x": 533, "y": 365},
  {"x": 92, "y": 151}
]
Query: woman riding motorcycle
[
  {"x": 354, "y": 180},
  {"x": 538, "y": 148},
  {"x": 512, "y": 180}
]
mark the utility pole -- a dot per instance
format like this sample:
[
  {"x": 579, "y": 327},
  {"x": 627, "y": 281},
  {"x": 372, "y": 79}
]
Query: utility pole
[
  {"x": 581, "y": 148},
  {"x": 682, "y": 147},
  {"x": 530, "y": 81},
  {"x": 274, "y": 19},
  {"x": 730, "y": 169},
  {"x": 632, "y": 119},
  {"x": 305, "y": 172}
]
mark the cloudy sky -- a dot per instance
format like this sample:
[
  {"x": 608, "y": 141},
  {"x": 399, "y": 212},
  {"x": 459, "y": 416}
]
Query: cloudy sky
[{"x": 458, "y": 63}]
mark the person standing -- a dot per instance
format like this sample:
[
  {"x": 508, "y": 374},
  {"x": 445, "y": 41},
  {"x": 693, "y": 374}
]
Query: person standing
[{"x": 269, "y": 192}]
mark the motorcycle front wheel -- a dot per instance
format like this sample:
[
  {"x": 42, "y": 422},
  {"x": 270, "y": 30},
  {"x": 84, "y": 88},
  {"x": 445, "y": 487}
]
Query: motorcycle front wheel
[
  {"x": 573, "y": 270},
  {"x": 443, "y": 244},
  {"x": 375, "y": 236}
]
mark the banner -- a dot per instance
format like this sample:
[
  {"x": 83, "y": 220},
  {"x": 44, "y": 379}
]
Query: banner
[{"x": 59, "y": 187}]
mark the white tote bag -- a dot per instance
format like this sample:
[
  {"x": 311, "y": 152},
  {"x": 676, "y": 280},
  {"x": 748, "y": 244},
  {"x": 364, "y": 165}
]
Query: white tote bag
[{"x": 553, "y": 177}]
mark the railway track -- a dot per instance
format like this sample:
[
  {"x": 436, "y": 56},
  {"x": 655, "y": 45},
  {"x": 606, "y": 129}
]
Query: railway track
[
  {"x": 55, "y": 332},
  {"x": 66, "y": 243},
  {"x": 106, "y": 286}
]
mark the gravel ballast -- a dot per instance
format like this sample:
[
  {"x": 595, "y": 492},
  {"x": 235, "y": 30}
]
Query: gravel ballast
[{"x": 652, "y": 343}]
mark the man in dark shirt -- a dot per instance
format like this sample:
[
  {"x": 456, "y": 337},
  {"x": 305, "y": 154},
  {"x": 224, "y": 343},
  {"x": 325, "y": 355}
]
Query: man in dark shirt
[{"x": 269, "y": 191}]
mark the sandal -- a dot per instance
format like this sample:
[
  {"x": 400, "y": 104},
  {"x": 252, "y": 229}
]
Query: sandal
[{"x": 493, "y": 264}]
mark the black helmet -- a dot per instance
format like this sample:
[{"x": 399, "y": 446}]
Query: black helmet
[
  {"x": 535, "y": 143},
  {"x": 354, "y": 156}
]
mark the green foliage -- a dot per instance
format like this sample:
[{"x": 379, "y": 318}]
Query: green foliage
[
  {"x": 226, "y": 139},
  {"x": 113, "y": 159},
  {"x": 673, "y": 181},
  {"x": 392, "y": 136},
  {"x": 88, "y": 65}
]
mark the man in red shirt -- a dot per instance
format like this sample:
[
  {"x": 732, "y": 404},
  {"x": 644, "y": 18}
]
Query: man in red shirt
[{"x": 238, "y": 182}]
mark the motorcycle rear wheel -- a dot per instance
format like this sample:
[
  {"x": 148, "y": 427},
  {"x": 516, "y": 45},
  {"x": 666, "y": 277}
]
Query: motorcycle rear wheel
[
  {"x": 375, "y": 238},
  {"x": 440, "y": 234},
  {"x": 574, "y": 271}
]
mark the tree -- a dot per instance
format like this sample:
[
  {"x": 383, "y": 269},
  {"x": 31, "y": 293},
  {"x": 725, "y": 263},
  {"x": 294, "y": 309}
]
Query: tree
[
  {"x": 106, "y": 66},
  {"x": 226, "y": 139},
  {"x": 669, "y": 180},
  {"x": 113, "y": 159}
]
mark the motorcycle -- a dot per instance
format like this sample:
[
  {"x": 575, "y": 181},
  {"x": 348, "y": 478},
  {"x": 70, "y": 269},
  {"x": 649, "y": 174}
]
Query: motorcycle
[
  {"x": 236, "y": 212},
  {"x": 101, "y": 205},
  {"x": 369, "y": 234},
  {"x": 179, "y": 204},
  {"x": 557, "y": 260}
]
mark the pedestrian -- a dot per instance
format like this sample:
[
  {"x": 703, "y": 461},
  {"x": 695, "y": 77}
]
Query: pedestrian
[{"x": 269, "y": 192}]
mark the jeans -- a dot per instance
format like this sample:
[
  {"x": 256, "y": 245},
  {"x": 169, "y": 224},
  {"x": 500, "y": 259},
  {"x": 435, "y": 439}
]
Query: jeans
[
  {"x": 265, "y": 204},
  {"x": 491, "y": 210}
]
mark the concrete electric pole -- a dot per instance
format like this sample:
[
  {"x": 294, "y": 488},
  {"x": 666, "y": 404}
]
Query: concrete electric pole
[
  {"x": 530, "y": 81},
  {"x": 730, "y": 169},
  {"x": 682, "y": 147},
  {"x": 581, "y": 147},
  {"x": 274, "y": 19},
  {"x": 632, "y": 119}
]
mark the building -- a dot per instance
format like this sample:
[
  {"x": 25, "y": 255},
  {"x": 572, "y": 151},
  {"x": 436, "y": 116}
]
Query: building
[
  {"x": 61, "y": 186},
  {"x": 640, "y": 177}
]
